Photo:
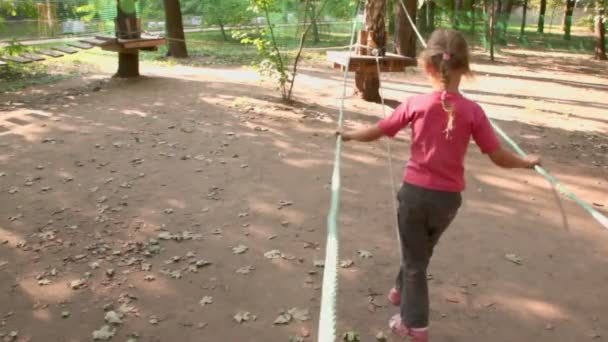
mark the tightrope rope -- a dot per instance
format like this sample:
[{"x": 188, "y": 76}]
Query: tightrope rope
[
  {"x": 327, "y": 317},
  {"x": 599, "y": 217}
]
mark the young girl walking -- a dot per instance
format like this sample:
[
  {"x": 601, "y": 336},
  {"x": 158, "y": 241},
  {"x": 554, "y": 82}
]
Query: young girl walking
[{"x": 442, "y": 123}]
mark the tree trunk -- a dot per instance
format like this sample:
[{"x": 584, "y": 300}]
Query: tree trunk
[
  {"x": 128, "y": 64},
  {"x": 541, "y": 16},
  {"x": 127, "y": 28},
  {"x": 568, "y": 18},
  {"x": 473, "y": 17},
  {"x": 175, "y": 29},
  {"x": 315, "y": 26},
  {"x": 600, "y": 38},
  {"x": 523, "y": 21},
  {"x": 221, "y": 23},
  {"x": 405, "y": 37},
  {"x": 458, "y": 6},
  {"x": 367, "y": 80},
  {"x": 492, "y": 29}
]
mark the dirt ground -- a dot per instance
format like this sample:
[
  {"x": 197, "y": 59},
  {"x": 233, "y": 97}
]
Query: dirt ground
[{"x": 172, "y": 203}]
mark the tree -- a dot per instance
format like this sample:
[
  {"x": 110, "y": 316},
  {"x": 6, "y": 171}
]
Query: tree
[
  {"x": 600, "y": 35},
  {"x": 220, "y": 13},
  {"x": 541, "y": 16},
  {"x": 492, "y": 28},
  {"x": 523, "y": 21},
  {"x": 405, "y": 37},
  {"x": 175, "y": 29},
  {"x": 568, "y": 18}
]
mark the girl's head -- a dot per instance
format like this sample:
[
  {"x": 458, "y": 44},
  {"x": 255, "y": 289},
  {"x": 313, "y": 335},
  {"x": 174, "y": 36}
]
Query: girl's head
[
  {"x": 445, "y": 60},
  {"x": 446, "y": 55}
]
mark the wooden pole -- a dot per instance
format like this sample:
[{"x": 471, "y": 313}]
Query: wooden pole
[
  {"x": 492, "y": 29},
  {"x": 523, "y": 22},
  {"x": 175, "y": 29},
  {"x": 127, "y": 28}
]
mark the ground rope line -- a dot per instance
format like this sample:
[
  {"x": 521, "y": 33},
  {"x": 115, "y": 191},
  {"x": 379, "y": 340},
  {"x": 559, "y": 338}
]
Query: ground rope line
[
  {"x": 599, "y": 217},
  {"x": 327, "y": 316}
]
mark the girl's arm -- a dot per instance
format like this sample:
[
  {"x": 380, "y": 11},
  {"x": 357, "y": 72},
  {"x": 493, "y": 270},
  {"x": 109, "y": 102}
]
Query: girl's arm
[
  {"x": 366, "y": 134},
  {"x": 509, "y": 160}
]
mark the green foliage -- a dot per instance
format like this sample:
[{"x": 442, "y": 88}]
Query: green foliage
[
  {"x": 270, "y": 62},
  {"x": 14, "y": 48}
]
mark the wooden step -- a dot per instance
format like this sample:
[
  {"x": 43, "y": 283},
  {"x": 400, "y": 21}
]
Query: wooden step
[
  {"x": 94, "y": 41},
  {"x": 49, "y": 53},
  {"x": 64, "y": 49},
  {"x": 16, "y": 59},
  {"x": 2, "y": 63},
  {"x": 80, "y": 45},
  {"x": 32, "y": 56}
]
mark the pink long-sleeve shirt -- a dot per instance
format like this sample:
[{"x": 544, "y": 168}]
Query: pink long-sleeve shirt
[{"x": 437, "y": 158}]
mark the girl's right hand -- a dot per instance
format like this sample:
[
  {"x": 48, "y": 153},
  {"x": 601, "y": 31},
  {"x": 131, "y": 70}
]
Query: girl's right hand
[{"x": 533, "y": 160}]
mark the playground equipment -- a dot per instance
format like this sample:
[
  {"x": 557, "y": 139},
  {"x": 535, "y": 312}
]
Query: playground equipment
[
  {"x": 369, "y": 53},
  {"x": 127, "y": 42}
]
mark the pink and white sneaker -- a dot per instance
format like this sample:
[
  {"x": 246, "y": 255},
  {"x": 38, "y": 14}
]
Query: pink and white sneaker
[
  {"x": 401, "y": 330},
  {"x": 394, "y": 296}
]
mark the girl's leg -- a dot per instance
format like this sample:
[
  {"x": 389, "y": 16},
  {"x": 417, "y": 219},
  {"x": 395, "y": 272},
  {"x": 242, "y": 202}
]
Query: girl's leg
[{"x": 423, "y": 217}]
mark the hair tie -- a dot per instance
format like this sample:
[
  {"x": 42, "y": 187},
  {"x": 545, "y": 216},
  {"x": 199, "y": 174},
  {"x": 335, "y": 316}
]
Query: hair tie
[{"x": 446, "y": 56}]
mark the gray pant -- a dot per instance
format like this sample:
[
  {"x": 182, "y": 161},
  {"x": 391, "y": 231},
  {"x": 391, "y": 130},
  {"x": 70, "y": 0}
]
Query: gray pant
[{"x": 423, "y": 216}]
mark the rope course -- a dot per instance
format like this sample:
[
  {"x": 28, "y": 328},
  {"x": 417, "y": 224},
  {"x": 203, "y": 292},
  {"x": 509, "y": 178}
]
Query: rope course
[{"x": 327, "y": 318}]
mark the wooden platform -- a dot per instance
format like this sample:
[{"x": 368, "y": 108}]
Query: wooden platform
[
  {"x": 2, "y": 63},
  {"x": 16, "y": 59},
  {"x": 64, "y": 49},
  {"x": 150, "y": 43},
  {"x": 389, "y": 63},
  {"x": 81, "y": 45},
  {"x": 32, "y": 56},
  {"x": 49, "y": 53}
]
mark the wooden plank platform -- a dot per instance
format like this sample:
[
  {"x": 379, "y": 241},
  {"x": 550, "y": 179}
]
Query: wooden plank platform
[
  {"x": 94, "y": 41},
  {"x": 389, "y": 63},
  {"x": 16, "y": 59},
  {"x": 49, "y": 53},
  {"x": 142, "y": 43},
  {"x": 32, "y": 56},
  {"x": 64, "y": 49},
  {"x": 3, "y": 63},
  {"x": 80, "y": 45}
]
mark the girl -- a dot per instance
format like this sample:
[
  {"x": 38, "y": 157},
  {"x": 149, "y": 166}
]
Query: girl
[{"x": 442, "y": 124}]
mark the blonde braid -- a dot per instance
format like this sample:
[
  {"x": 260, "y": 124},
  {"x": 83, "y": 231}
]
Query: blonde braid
[{"x": 445, "y": 80}]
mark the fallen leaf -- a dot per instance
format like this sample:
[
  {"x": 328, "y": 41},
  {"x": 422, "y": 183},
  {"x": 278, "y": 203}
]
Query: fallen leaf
[
  {"x": 299, "y": 314},
  {"x": 44, "y": 281},
  {"x": 65, "y": 314},
  {"x": 104, "y": 334},
  {"x": 381, "y": 337},
  {"x": 514, "y": 258},
  {"x": 245, "y": 270},
  {"x": 243, "y": 316},
  {"x": 240, "y": 249},
  {"x": 364, "y": 254},
  {"x": 283, "y": 318},
  {"x": 273, "y": 254},
  {"x": 346, "y": 263},
  {"x": 318, "y": 263},
  {"x": 113, "y": 317},
  {"x": 351, "y": 336},
  {"x": 206, "y": 300},
  {"x": 149, "y": 278},
  {"x": 78, "y": 284}
]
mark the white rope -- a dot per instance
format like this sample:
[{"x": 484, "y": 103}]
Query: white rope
[{"x": 389, "y": 154}]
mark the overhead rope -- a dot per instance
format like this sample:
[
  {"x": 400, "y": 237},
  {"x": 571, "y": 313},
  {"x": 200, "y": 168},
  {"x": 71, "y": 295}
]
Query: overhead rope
[{"x": 599, "y": 217}]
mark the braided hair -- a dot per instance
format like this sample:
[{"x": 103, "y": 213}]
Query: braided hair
[{"x": 446, "y": 51}]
